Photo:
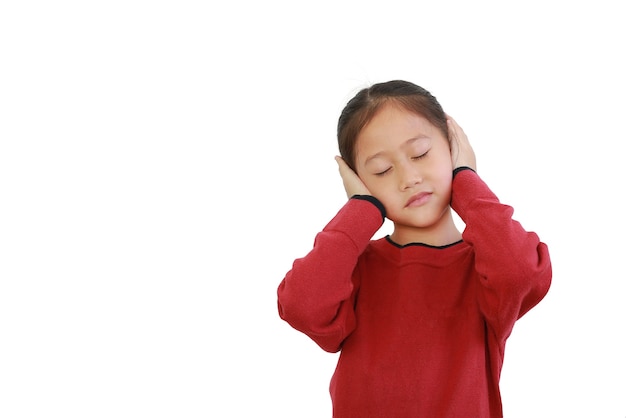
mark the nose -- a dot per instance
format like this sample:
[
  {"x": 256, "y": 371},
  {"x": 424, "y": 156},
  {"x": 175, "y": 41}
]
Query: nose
[{"x": 409, "y": 176}]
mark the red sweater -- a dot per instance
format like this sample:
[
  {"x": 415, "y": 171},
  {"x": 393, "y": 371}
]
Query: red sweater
[{"x": 421, "y": 329}]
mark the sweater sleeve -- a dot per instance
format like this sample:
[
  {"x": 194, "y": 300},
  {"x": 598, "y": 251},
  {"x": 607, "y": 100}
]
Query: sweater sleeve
[
  {"x": 513, "y": 265},
  {"x": 316, "y": 295}
]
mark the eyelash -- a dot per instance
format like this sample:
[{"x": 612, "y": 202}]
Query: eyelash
[{"x": 419, "y": 157}]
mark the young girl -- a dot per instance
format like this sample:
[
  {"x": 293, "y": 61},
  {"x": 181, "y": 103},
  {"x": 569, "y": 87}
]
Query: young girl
[{"x": 421, "y": 317}]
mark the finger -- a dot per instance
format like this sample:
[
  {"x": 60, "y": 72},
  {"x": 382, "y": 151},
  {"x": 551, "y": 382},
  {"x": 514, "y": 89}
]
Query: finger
[
  {"x": 453, "y": 126},
  {"x": 343, "y": 173},
  {"x": 343, "y": 166},
  {"x": 456, "y": 129},
  {"x": 453, "y": 139},
  {"x": 460, "y": 147},
  {"x": 351, "y": 181}
]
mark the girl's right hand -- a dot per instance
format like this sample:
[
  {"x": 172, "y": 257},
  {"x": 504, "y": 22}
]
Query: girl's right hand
[{"x": 351, "y": 181}]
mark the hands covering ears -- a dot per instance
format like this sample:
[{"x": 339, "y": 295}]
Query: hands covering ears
[{"x": 461, "y": 152}]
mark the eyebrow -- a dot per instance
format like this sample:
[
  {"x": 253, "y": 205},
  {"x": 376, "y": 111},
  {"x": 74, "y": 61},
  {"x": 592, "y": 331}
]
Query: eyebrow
[{"x": 406, "y": 143}]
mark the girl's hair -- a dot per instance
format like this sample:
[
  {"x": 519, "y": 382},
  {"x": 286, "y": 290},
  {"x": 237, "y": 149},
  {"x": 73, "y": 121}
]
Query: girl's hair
[{"x": 367, "y": 102}]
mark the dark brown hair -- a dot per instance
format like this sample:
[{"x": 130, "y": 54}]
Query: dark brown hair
[{"x": 367, "y": 102}]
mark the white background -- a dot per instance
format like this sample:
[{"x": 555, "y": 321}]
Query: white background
[{"x": 162, "y": 163}]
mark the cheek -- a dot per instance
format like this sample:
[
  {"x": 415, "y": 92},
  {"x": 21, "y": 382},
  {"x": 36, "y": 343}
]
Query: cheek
[
  {"x": 381, "y": 188},
  {"x": 442, "y": 165},
  {"x": 442, "y": 175},
  {"x": 373, "y": 185},
  {"x": 445, "y": 175},
  {"x": 446, "y": 184}
]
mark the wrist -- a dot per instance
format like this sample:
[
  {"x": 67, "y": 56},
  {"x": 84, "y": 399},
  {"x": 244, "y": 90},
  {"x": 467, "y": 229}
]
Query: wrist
[
  {"x": 372, "y": 200},
  {"x": 461, "y": 168}
]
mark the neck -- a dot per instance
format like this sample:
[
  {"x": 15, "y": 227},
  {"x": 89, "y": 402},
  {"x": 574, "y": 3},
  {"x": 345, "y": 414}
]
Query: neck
[{"x": 442, "y": 233}]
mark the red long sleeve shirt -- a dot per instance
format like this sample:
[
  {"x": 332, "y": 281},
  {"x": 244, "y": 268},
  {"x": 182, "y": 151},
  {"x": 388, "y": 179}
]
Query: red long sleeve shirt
[{"x": 421, "y": 329}]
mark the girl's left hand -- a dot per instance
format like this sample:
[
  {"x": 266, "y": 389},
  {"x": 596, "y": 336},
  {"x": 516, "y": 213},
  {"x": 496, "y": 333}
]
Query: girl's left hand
[{"x": 460, "y": 148}]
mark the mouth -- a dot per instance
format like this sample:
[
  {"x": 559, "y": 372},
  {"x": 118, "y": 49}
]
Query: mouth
[{"x": 418, "y": 200}]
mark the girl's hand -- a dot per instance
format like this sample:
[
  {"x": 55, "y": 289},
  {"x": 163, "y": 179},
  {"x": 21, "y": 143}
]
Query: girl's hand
[
  {"x": 351, "y": 181},
  {"x": 460, "y": 148}
]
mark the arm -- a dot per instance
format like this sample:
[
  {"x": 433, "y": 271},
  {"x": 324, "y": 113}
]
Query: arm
[
  {"x": 316, "y": 295},
  {"x": 513, "y": 265}
]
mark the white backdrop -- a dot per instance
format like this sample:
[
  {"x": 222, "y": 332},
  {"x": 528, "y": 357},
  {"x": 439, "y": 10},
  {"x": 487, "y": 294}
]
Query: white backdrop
[{"x": 162, "y": 163}]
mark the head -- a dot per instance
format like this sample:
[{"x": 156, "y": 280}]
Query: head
[
  {"x": 365, "y": 105},
  {"x": 394, "y": 135}
]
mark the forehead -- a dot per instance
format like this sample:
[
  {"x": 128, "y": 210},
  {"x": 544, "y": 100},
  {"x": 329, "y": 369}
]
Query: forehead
[{"x": 393, "y": 125}]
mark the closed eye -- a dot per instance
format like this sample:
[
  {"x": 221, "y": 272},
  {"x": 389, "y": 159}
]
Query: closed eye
[
  {"x": 382, "y": 173},
  {"x": 420, "y": 156}
]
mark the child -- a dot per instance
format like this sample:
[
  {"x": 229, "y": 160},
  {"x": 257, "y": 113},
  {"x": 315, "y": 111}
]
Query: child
[{"x": 421, "y": 317}]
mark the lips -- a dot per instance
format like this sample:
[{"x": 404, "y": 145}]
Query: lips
[{"x": 418, "y": 199}]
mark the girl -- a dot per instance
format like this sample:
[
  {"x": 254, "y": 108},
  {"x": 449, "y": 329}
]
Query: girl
[{"x": 421, "y": 316}]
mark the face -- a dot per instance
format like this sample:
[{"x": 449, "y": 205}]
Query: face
[{"x": 405, "y": 162}]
